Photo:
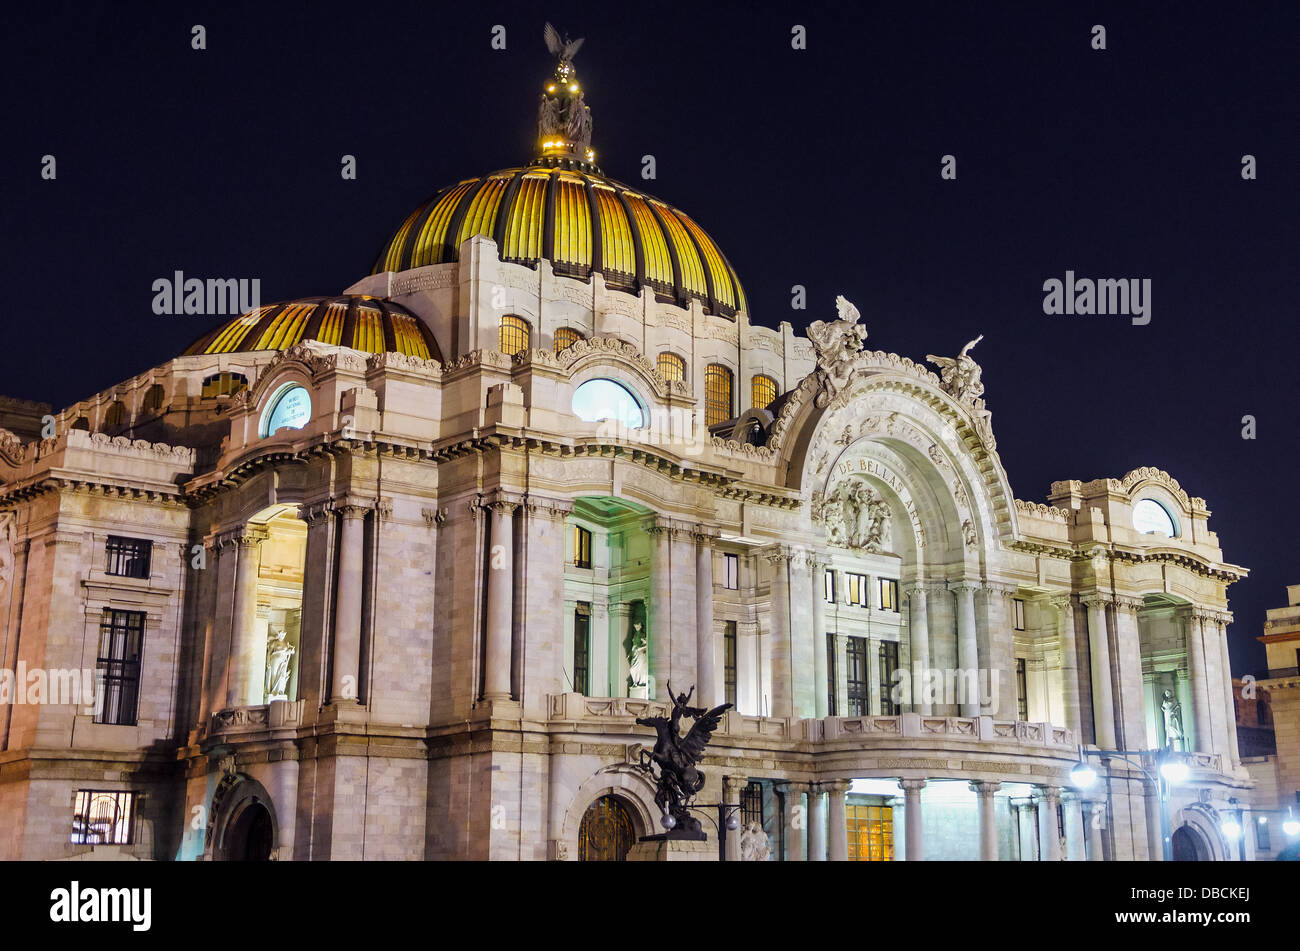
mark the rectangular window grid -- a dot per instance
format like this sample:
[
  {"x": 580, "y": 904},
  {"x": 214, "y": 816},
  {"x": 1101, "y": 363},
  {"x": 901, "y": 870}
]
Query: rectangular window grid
[
  {"x": 888, "y": 657},
  {"x": 729, "y": 662},
  {"x": 870, "y": 832},
  {"x": 731, "y": 571},
  {"x": 1022, "y": 690},
  {"x": 857, "y": 588},
  {"x": 581, "y": 547},
  {"x": 828, "y": 586},
  {"x": 832, "y": 677},
  {"x": 1018, "y": 608},
  {"x": 128, "y": 557},
  {"x": 888, "y": 591},
  {"x": 855, "y": 663},
  {"x": 102, "y": 818},
  {"x": 121, "y": 638},
  {"x": 581, "y": 647}
]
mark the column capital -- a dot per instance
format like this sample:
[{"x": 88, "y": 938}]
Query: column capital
[
  {"x": 915, "y": 590},
  {"x": 1096, "y": 599},
  {"x": 793, "y": 788},
  {"x": 998, "y": 589},
  {"x": 706, "y": 535},
  {"x": 985, "y": 788},
  {"x": 818, "y": 559},
  {"x": 433, "y": 516},
  {"x": 314, "y": 512},
  {"x": 836, "y": 787},
  {"x": 544, "y": 507},
  {"x": 1062, "y": 600},
  {"x": 1129, "y": 603},
  {"x": 733, "y": 786},
  {"x": 1048, "y": 794},
  {"x": 912, "y": 785},
  {"x": 964, "y": 586},
  {"x": 243, "y": 536},
  {"x": 351, "y": 506}
]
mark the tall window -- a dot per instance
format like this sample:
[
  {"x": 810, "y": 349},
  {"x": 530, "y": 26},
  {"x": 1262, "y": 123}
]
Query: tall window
[
  {"x": 671, "y": 366},
  {"x": 581, "y": 647},
  {"x": 857, "y": 588},
  {"x": 565, "y": 338},
  {"x": 751, "y": 804},
  {"x": 128, "y": 557},
  {"x": 729, "y": 662},
  {"x": 887, "y": 588},
  {"x": 828, "y": 586},
  {"x": 581, "y": 547},
  {"x": 116, "y": 415},
  {"x": 832, "y": 677},
  {"x": 153, "y": 398},
  {"x": 762, "y": 391},
  {"x": 717, "y": 394},
  {"x": 1022, "y": 690},
  {"x": 855, "y": 664},
  {"x": 888, "y": 658},
  {"x": 730, "y": 571},
  {"x": 121, "y": 636},
  {"x": 513, "y": 335},
  {"x": 870, "y": 832},
  {"x": 222, "y": 384},
  {"x": 1018, "y": 609},
  {"x": 102, "y": 817}
]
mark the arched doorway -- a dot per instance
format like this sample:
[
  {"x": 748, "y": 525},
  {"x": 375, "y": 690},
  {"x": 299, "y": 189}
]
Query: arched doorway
[
  {"x": 1188, "y": 846},
  {"x": 250, "y": 835},
  {"x": 606, "y": 832}
]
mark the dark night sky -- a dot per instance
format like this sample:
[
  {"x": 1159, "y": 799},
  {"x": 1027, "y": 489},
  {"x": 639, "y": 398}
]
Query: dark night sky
[{"x": 818, "y": 168}]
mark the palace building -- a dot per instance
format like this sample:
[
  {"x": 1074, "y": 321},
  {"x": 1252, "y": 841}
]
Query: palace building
[{"x": 390, "y": 574}]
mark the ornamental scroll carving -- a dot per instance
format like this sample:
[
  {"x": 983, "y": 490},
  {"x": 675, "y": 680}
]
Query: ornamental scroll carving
[{"x": 855, "y": 515}]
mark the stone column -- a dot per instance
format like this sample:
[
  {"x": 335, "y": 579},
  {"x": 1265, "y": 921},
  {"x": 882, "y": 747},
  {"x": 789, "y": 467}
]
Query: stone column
[
  {"x": 899, "y": 806},
  {"x": 795, "y": 831},
  {"x": 500, "y": 601},
  {"x": 1027, "y": 823},
  {"x": 1093, "y": 811},
  {"x": 245, "y": 685},
  {"x": 821, "y": 691},
  {"x": 732, "y": 787},
  {"x": 988, "y": 818},
  {"x": 1103, "y": 705},
  {"x": 912, "y": 800},
  {"x": 1231, "y": 754},
  {"x": 1049, "y": 841},
  {"x": 1155, "y": 842},
  {"x": 1127, "y": 664},
  {"x": 919, "y": 627},
  {"x": 706, "y": 685},
  {"x": 816, "y": 824},
  {"x": 747, "y": 696},
  {"x": 659, "y": 623},
  {"x": 1194, "y": 625},
  {"x": 782, "y": 675},
  {"x": 1074, "y": 834},
  {"x": 1069, "y": 663},
  {"x": 967, "y": 648},
  {"x": 838, "y": 832}
]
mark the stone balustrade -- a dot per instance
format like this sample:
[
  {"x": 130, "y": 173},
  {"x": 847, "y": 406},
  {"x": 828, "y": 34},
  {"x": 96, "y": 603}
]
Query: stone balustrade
[{"x": 249, "y": 719}]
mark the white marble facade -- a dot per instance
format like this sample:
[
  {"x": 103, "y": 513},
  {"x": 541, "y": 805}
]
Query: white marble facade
[{"x": 415, "y": 538}]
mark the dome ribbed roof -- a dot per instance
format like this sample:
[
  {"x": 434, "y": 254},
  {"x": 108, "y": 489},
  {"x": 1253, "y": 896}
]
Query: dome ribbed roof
[
  {"x": 580, "y": 221},
  {"x": 356, "y": 321}
]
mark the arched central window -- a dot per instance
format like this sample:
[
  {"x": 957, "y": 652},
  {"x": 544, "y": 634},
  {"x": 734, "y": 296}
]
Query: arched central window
[
  {"x": 606, "y": 833},
  {"x": 513, "y": 335},
  {"x": 605, "y": 399},
  {"x": 565, "y": 338},
  {"x": 762, "y": 391},
  {"x": 671, "y": 366},
  {"x": 290, "y": 408},
  {"x": 717, "y": 394}
]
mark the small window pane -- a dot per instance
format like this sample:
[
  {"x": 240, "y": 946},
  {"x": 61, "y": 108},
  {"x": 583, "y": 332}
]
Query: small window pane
[
  {"x": 731, "y": 571},
  {"x": 566, "y": 337},
  {"x": 671, "y": 366},
  {"x": 763, "y": 391},
  {"x": 513, "y": 335},
  {"x": 581, "y": 547},
  {"x": 128, "y": 557},
  {"x": 102, "y": 818},
  {"x": 717, "y": 394}
]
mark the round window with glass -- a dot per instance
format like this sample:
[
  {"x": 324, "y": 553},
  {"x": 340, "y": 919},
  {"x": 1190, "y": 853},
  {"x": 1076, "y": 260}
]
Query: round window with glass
[
  {"x": 603, "y": 399},
  {"x": 1152, "y": 518},
  {"x": 290, "y": 408}
]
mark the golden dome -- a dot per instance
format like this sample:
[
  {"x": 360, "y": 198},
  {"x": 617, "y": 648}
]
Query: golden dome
[
  {"x": 356, "y": 321},
  {"x": 566, "y": 212}
]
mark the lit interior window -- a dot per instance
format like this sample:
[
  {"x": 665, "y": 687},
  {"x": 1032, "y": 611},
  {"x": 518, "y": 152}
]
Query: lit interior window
[
  {"x": 604, "y": 399},
  {"x": 291, "y": 409},
  {"x": 1152, "y": 518}
]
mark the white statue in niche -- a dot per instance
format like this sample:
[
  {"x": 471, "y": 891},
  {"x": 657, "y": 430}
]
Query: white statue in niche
[
  {"x": 279, "y": 665},
  {"x": 6, "y": 548},
  {"x": 638, "y": 664},
  {"x": 1172, "y": 711},
  {"x": 855, "y": 515}
]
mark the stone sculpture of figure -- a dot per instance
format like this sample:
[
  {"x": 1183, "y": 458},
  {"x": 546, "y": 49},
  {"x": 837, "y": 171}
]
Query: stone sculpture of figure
[
  {"x": 279, "y": 659},
  {"x": 1173, "y": 720},
  {"x": 674, "y": 762},
  {"x": 855, "y": 516},
  {"x": 638, "y": 661},
  {"x": 836, "y": 344},
  {"x": 960, "y": 375},
  {"x": 6, "y": 549},
  {"x": 754, "y": 845}
]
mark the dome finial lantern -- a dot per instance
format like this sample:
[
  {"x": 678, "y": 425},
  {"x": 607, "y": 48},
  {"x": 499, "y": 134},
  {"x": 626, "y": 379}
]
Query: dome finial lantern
[{"x": 563, "y": 118}]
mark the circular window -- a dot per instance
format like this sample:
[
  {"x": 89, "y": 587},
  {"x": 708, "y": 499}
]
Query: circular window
[
  {"x": 1152, "y": 518},
  {"x": 289, "y": 409},
  {"x": 604, "y": 399}
]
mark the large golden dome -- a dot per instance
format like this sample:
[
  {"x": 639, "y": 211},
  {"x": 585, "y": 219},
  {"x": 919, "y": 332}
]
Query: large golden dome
[{"x": 567, "y": 213}]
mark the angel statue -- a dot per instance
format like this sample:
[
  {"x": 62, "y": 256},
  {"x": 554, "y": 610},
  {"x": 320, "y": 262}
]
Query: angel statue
[
  {"x": 960, "y": 374},
  {"x": 676, "y": 756},
  {"x": 836, "y": 344},
  {"x": 563, "y": 111},
  {"x": 562, "y": 49}
]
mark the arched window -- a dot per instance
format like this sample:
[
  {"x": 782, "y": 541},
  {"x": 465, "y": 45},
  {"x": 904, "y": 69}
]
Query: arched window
[
  {"x": 153, "y": 399},
  {"x": 223, "y": 384},
  {"x": 717, "y": 394},
  {"x": 513, "y": 335},
  {"x": 600, "y": 399},
  {"x": 290, "y": 408},
  {"x": 671, "y": 366},
  {"x": 565, "y": 338},
  {"x": 81, "y": 423},
  {"x": 115, "y": 418},
  {"x": 762, "y": 389},
  {"x": 606, "y": 833}
]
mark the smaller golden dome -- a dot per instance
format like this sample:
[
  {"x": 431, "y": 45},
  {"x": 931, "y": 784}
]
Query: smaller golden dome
[{"x": 357, "y": 321}]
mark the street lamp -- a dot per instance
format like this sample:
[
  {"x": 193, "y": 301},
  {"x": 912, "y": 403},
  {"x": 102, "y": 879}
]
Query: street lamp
[
  {"x": 1172, "y": 770},
  {"x": 1291, "y": 825},
  {"x": 727, "y": 820}
]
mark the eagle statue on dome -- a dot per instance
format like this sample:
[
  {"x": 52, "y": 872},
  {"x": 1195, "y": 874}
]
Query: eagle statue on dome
[
  {"x": 836, "y": 344},
  {"x": 562, "y": 111}
]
